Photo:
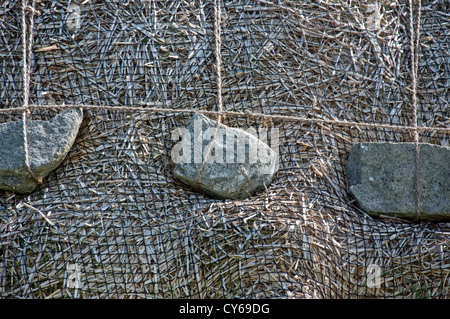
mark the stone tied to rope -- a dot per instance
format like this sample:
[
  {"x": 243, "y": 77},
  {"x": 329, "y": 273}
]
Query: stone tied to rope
[
  {"x": 228, "y": 164},
  {"x": 48, "y": 144},
  {"x": 382, "y": 178}
]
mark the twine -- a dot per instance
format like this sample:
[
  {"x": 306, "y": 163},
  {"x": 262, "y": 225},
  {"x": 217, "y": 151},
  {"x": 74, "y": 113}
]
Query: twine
[
  {"x": 217, "y": 51},
  {"x": 285, "y": 118},
  {"x": 414, "y": 25},
  {"x": 26, "y": 52}
]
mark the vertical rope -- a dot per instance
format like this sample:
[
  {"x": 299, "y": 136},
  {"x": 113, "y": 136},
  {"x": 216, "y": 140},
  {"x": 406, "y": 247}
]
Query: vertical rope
[
  {"x": 218, "y": 46},
  {"x": 219, "y": 101},
  {"x": 26, "y": 52},
  {"x": 414, "y": 24}
]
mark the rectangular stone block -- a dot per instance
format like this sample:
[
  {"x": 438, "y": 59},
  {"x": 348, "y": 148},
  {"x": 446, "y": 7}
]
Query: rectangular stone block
[{"x": 381, "y": 177}]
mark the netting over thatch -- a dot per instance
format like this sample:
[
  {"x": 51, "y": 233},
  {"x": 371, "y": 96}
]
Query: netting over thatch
[{"x": 111, "y": 221}]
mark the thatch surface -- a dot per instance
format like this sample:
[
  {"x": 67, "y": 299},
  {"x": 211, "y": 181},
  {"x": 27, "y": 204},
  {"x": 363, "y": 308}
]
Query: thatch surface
[{"x": 133, "y": 231}]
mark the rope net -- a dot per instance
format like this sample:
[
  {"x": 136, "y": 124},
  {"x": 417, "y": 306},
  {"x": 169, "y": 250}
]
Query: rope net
[{"x": 112, "y": 222}]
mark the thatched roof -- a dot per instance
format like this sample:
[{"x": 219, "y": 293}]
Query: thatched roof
[{"x": 122, "y": 227}]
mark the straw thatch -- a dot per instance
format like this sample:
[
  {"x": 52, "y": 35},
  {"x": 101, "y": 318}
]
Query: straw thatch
[{"x": 113, "y": 212}]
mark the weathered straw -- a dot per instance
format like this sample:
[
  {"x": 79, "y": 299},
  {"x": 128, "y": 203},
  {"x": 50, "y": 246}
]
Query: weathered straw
[{"x": 112, "y": 208}]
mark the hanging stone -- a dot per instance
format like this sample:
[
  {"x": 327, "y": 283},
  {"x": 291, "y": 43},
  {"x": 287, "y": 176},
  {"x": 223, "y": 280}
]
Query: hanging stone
[
  {"x": 238, "y": 165},
  {"x": 382, "y": 176},
  {"x": 48, "y": 144}
]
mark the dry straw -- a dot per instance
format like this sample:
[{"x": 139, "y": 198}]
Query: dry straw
[{"x": 318, "y": 71}]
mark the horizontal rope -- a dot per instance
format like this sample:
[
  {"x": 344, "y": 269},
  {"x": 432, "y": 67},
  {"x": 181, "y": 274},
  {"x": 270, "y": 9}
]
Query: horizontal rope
[{"x": 287, "y": 118}]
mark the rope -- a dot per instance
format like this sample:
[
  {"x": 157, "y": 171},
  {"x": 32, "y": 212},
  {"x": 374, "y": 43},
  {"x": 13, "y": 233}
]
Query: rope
[
  {"x": 414, "y": 25},
  {"x": 26, "y": 52},
  {"x": 217, "y": 51},
  {"x": 286, "y": 118}
]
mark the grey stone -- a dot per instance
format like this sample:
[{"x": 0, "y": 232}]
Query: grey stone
[
  {"x": 48, "y": 144},
  {"x": 381, "y": 177},
  {"x": 240, "y": 164}
]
